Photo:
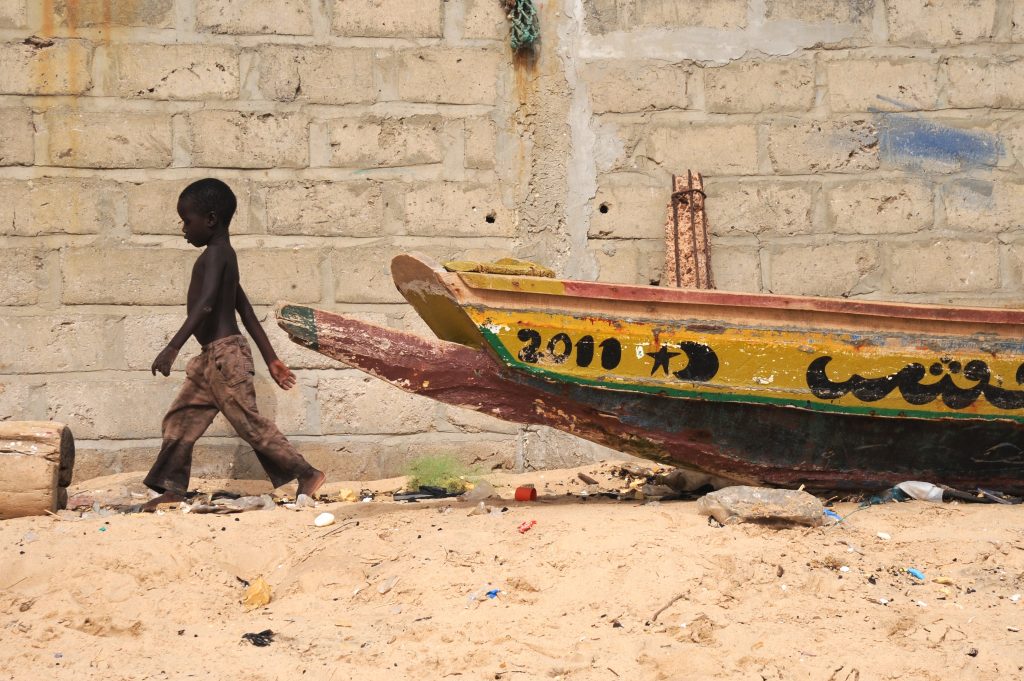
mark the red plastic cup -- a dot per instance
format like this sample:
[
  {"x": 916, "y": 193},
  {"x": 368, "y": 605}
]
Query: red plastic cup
[{"x": 526, "y": 493}]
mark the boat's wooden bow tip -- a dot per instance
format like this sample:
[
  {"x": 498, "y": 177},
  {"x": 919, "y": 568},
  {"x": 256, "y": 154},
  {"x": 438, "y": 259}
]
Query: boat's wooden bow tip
[{"x": 299, "y": 323}]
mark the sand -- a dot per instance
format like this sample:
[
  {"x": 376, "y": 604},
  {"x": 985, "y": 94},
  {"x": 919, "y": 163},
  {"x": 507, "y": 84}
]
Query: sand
[{"x": 595, "y": 589}]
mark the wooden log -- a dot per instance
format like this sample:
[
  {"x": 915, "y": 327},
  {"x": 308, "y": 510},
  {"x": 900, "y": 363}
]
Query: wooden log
[{"x": 36, "y": 462}]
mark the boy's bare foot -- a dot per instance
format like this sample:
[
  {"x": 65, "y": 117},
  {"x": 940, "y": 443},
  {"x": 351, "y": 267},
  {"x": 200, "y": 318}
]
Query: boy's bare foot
[
  {"x": 165, "y": 498},
  {"x": 311, "y": 482}
]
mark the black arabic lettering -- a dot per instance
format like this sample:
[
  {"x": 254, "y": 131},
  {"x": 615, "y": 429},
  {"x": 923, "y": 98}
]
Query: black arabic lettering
[{"x": 909, "y": 381}]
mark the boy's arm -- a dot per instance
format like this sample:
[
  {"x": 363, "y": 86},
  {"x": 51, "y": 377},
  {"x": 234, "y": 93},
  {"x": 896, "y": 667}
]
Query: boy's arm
[
  {"x": 213, "y": 269},
  {"x": 281, "y": 374}
]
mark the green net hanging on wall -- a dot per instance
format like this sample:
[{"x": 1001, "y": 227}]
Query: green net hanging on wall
[{"x": 525, "y": 29}]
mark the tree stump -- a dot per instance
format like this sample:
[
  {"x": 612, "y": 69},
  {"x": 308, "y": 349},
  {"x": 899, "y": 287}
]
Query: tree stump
[{"x": 36, "y": 461}]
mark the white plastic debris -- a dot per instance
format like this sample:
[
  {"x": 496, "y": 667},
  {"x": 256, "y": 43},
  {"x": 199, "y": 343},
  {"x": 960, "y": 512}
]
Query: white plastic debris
[
  {"x": 884, "y": 536},
  {"x": 324, "y": 519}
]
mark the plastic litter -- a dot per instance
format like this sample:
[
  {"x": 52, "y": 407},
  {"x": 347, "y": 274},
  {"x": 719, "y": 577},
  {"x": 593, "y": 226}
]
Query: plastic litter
[
  {"x": 829, "y": 513},
  {"x": 261, "y": 639},
  {"x": 481, "y": 490},
  {"x": 324, "y": 519},
  {"x": 761, "y": 504},
  {"x": 916, "y": 574},
  {"x": 526, "y": 493},
  {"x": 525, "y": 527},
  {"x": 922, "y": 491}
]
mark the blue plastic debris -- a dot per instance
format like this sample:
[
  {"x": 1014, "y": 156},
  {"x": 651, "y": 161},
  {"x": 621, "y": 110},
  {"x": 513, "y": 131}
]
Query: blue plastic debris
[
  {"x": 493, "y": 593},
  {"x": 829, "y": 513},
  {"x": 915, "y": 573}
]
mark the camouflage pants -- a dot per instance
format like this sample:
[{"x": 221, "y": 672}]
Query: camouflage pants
[{"x": 220, "y": 380}]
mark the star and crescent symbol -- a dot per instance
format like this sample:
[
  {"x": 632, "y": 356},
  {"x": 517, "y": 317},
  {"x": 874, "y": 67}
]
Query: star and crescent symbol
[{"x": 661, "y": 358}]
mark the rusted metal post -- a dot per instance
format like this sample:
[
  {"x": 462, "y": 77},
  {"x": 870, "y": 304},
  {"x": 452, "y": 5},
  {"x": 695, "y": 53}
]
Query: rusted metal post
[{"x": 687, "y": 248}]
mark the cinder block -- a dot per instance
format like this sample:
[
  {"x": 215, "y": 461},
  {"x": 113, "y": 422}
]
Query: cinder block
[
  {"x": 354, "y": 403},
  {"x": 385, "y": 142},
  {"x": 233, "y": 139},
  {"x": 756, "y": 86},
  {"x": 64, "y": 205},
  {"x": 146, "y": 333},
  {"x": 984, "y": 205},
  {"x": 54, "y": 343},
  {"x": 362, "y": 274},
  {"x": 16, "y": 133},
  {"x": 448, "y": 76},
  {"x": 23, "y": 277},
  {"x": 736, "y": 268},
  {"x": 392, "y": 456},
  {"x": 12, "y": 193},
  {"x": 273, "y": 274},
  {"x": 866, "y": 84},
  {"x": 388, "y": 18},
  {"x": 985, "y": 82},
  {"x": 17, "y": 401},
  {"x": 480, "y": 143},
  {"x": 945, "y": 266},
  {"x": 880, "y": 207},
  {"x": 110, "y": 406},
  {"x": 196, "y": 72},
  {"x": 318, "y": 74},
  {"x": 152, "y": 206},
  {"x": 324, "y": 208},
  {"x": 209, "y": 460},
  {"x": 821, "y": 11},
  {"x": 469, "y": 421},
  {"x": 128, "y": 276},
  {"x": 108, "y": 140},
  {"x": 711, "y": 149},
  {"x": 629, "y": 208},
  {"x": 630, "y": 262},
  {"x": 485, "y": 20},
  {"x": 456, "y": 209},
  {"x": 765, "y": 208},
  {"x": 13, "y": 13},
  {"x": 838, "y": 269},
  {"x": 940, "y": 22},
  {"x": 278, "y": 17},
  {"x": 45, "y": 67},
  {"x": 607, "y": 16},
  {"x": 797, "y": 146},
  {"x": 105, "y": 13},
  {"x": 624, "y": 86}
]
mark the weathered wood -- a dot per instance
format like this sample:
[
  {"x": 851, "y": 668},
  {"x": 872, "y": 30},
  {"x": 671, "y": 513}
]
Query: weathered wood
[{"x": 36, "y": 462}]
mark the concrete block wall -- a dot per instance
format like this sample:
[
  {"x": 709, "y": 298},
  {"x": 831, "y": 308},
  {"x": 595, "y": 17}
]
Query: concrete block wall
[{"x": 861, "y": 148}]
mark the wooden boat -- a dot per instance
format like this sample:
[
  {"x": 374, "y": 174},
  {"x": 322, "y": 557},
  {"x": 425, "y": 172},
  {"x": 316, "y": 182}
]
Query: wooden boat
[{"x": 774, "y": 390}]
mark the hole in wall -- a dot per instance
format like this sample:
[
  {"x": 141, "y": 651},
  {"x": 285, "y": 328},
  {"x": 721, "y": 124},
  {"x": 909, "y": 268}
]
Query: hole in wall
[
  {"x": 604, "y": 207},
  {"x": 490, "y": 218}
]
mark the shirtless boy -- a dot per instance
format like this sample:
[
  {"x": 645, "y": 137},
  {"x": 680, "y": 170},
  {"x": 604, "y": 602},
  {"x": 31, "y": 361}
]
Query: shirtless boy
[{"x": 219, "y": 379}]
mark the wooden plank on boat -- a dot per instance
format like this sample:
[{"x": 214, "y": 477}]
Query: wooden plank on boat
[{"x": 36, "y": 462}]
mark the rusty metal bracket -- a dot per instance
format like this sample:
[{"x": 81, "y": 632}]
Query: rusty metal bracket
[{"x": 687, "y": 255}]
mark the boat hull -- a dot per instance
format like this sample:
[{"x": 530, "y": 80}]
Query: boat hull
[{"x": 748, "y": 442}]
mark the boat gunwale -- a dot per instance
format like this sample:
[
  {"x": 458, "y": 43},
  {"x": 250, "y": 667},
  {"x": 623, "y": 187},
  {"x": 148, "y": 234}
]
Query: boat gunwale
[{"x": 634, "y": 293}]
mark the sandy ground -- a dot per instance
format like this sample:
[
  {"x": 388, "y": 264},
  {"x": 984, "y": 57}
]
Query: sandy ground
[{"x": 398, "y": 591}]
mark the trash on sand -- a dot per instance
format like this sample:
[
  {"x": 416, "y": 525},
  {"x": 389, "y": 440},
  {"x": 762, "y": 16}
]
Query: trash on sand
[
  {"x": 525, "y": 527},
  {"x": 225, "y": 505},
  {"x": 424, "y": 492},
  {"x": 526, "y": 493},
  {"x": 304, "y": 501},
  {"x": 493, "y": 593},
  {"x": 884, "y": 536},
  {"x": 922, "y": 491},
  {"x": 829, "y": 513},
  {"x": 915, "y": 573},
  {"x": 257, "y": 594},
  {"x": 324, "y": 519},
  {"x": 1015, "y": 598},
  {"x": 387, "y": 585},
  {"x": 481, "y": 490},
  {"x": 760, "y": 504},
  {"x": 346, "y": 494},
  {"x": 261, "y": 639}
]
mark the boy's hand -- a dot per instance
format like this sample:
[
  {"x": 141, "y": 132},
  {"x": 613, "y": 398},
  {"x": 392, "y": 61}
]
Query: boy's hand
[
  {"x": 282, "y": 374},
  {"x": 164, "y": 361}
]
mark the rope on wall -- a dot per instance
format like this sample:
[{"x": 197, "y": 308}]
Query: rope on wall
[{"x": 525, "y": 28}]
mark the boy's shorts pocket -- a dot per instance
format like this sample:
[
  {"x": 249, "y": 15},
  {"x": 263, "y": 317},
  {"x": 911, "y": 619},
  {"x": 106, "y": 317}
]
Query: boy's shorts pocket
[{"x": 235, "y": 364}]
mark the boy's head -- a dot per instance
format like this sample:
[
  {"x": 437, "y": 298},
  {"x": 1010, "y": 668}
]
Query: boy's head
[{"x": 205, "y": 206}]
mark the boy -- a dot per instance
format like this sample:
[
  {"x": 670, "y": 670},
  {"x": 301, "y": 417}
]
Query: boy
[{"x": 220, "y": 378}]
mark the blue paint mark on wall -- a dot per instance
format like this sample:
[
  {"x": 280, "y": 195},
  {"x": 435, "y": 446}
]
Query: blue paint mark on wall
[{"x": 909, "y": 142}]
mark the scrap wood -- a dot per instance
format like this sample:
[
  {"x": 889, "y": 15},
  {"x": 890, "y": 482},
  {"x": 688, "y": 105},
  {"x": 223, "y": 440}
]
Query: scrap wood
[{"x": 667, "y": 606}]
